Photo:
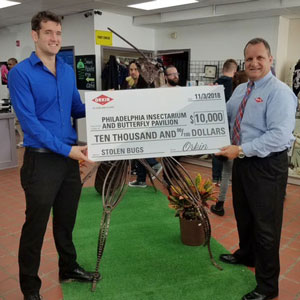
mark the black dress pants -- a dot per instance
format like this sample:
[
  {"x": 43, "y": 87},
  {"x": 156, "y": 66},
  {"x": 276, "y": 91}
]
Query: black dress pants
[
  {"x": 258, "y": 187},
  {"x": 49, "y": 181},
  {"x": 217, "y": 168},
  {"x": 142, "y": 171}
]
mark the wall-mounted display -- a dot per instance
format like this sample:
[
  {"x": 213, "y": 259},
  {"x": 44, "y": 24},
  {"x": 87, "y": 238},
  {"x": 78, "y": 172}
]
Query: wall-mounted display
[
  {"x": 210, "y": 71},
  {"x": 86, "y": 72}
]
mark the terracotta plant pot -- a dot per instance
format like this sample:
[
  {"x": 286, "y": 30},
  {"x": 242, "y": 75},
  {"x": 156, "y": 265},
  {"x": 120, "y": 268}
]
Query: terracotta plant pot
[{"x": 192, "y": 232}]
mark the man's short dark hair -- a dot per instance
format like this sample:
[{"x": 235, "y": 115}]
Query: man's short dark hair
[
  {"x": 43, "y": 16},
  {"x": 14, "y": 60},
  {"x": 256, "y": 41},
  {"x": 169, "y": 67},
  {"x": 230, "y": 65}
]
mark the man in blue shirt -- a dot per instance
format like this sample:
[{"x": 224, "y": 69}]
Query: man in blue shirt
[
  {"x": 262, "y": 118},
  {"x": 44, "y": 95}
]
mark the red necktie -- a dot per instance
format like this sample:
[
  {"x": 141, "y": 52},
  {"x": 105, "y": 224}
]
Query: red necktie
[{"x": 238, "y": 119}]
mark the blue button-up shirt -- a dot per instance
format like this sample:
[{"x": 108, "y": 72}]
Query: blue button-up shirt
[
  {"x": 44, "y": 104},
  {"x": 269, "y": 116}
]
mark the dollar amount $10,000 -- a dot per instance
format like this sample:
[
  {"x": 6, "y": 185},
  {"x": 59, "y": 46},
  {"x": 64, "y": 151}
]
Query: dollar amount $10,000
[{"x": 207, "y": 117}]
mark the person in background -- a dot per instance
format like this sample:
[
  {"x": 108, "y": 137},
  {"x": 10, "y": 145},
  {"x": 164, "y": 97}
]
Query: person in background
[
  {"x": 296, "y": 79},
  {"x": 136, "y": 81},
  {"x": 45, "y": 97},
  {"x": 4, "y": 72},
  {"x": 218, "y": 208},
  {"x": 171, "y": 76},
  {"x": 238, "y": 78},
  {"x": 10, "y": 64},
  {"x": 229, "y": 68},
  {"x": 295, "y": 157},
  {"x": 262, "y": 119},
  {"x": 5, "y": 69}
]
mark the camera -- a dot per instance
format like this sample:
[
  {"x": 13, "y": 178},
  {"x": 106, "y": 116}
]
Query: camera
[{"x": 88, "y": 14}]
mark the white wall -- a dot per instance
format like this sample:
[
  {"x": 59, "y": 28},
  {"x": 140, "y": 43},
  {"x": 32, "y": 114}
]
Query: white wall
[
  {"x": 142, "y": 38},
  {"x": 77, "y": 31},
  {"x": 293, "y": 48},
  {"x": 8, "y": 38},
  {"x": 281, "y": 54},
  {"x": 218, "y": 41},
  {"x": 294, "y": 41}
]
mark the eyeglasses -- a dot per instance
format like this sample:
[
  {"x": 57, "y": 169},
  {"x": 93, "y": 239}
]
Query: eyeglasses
[{"x": 173, "y": 74}]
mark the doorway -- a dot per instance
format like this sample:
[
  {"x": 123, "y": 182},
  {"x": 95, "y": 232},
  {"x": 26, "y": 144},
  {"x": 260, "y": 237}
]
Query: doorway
[{"x": 178, "y": 58}]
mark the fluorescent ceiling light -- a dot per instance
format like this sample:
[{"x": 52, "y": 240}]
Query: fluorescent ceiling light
[
  {"x": 5, "y": 3},
  {"x": 156, "y": 4}
]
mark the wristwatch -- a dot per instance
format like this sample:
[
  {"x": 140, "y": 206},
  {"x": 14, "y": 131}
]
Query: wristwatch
[{"x": 241, "y": 153}]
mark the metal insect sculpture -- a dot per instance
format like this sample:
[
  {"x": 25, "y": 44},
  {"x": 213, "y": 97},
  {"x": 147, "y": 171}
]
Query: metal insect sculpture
[
  {"x": 119, "y": 172},
  {"x": 115, "y": 185}
]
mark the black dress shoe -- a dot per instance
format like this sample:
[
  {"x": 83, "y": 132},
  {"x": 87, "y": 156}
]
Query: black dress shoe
[
  {"x": 231, "y": 259},
  {"x": 33, "y": 297},
  {"x": 257, "y": 296},
  {"x": 217, "y": 210},
  {"x": 78, "y": 274}
]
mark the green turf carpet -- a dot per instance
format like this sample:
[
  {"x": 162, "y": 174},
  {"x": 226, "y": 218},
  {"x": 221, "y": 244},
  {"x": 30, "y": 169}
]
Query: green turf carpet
[{"x": 144, "y": 258}]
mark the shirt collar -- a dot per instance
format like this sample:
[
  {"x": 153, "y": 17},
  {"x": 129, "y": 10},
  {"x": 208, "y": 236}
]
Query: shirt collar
[
  {"x": 261, "y": 81},
  {"x": 34, "y": 59}
]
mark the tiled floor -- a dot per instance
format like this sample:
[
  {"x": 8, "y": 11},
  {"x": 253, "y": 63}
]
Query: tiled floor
[{"x": 12, "y": 206}]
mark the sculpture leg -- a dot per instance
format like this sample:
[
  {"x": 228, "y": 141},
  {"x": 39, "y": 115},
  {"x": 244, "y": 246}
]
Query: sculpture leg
[
  {"x": 114, "y": 188},
  {"x": 101, "y": 243}
]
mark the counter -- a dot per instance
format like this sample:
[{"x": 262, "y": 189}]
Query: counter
[{"x": 8, "y": 152}]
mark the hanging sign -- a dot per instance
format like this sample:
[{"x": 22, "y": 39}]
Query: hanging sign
[
  {"x": 103, "y": 38},
  {"x": 160, "y": 122}
]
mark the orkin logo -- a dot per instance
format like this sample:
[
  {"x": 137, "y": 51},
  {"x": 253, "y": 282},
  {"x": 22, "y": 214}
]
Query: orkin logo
[
  {"x": 259, "y": 100},
  {"x": 103, "y": 99}
]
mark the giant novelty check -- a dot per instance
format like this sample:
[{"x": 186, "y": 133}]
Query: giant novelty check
[{"x": 158, "y": 122}]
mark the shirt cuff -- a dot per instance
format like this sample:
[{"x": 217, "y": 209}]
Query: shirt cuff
[
  {"x": 66, "y": 149},
  {"x": 247, "y": 149}
]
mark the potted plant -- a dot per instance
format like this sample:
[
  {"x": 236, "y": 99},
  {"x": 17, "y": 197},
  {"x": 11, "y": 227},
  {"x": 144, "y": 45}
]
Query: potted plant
[{"x": 191, "y": 210}]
